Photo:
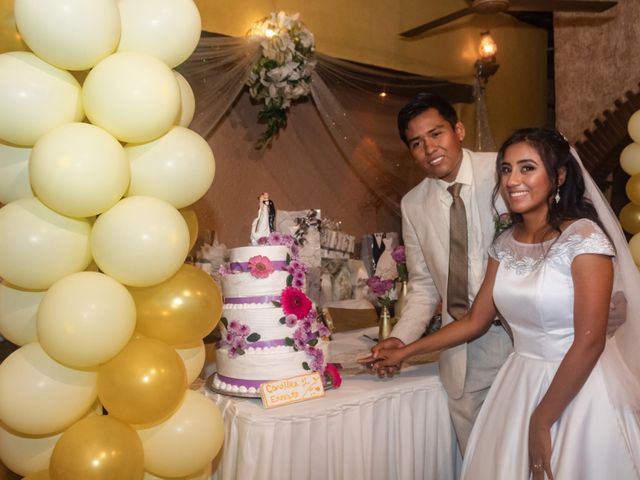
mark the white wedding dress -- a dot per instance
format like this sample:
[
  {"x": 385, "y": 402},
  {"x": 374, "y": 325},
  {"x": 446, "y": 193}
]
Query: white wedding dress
[{"x": 592, "y": 440}]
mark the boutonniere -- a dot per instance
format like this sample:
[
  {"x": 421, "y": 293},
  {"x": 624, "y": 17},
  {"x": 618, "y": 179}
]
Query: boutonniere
[{"x": 502, "y": 222}]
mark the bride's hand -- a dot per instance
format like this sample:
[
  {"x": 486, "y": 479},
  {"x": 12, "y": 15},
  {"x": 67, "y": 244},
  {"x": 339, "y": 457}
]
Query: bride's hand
[{"x": 539, "y": 448}]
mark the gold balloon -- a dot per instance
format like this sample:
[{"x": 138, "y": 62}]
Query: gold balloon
[
  {"x": 633, "y": 189},
  {"x": 98, "y": 448},
  {"x": 192, "y": 222},
  {"x": 630, "y": 218},
  {"x": 181, "y": 310},
  {"x": 10, "y": 38},
  {"x": 144, "y": 383}
]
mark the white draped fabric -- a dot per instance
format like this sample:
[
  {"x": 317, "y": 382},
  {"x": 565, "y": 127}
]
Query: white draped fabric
[
  {"x": 340, "y": 151},
  {"x": 368, "y": 429}
]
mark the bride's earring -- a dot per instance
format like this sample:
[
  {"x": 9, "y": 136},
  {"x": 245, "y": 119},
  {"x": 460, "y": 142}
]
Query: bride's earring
[{"x": 557, "y": 197}]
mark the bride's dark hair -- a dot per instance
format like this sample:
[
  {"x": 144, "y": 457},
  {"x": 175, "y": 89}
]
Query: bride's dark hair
[{"x": 555, "y": 152}]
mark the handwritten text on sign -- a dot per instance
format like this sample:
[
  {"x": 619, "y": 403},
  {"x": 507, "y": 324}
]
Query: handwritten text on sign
[{"x": 291, "y": 390}]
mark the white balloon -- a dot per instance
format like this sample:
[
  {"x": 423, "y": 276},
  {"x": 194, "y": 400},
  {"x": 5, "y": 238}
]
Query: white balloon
[
  {"x": 18, "y": 309},
  {"x": 187, "y": 441},
  {"x": 70, "y": 34},
  {"x": 14, "y": 173},
  {"x": 35, "y": 97},
  {"x": 178, "y": 167},
  {"x": 187, "y": 101},
  {"x": 79, "y": 170},
  {"x": 39, "y": 246},
  {"x": 133, "y": 96},
  {"x": 85, "y": 319},
  {"x": 26, "y": 454},
  {"x": 166, "y": 29},
  {"x": 193, "y": 358},
  {"x": 140, "y": 242},
  {"x": 39, "y": 396},
  {"x": 634, "y": 127}
]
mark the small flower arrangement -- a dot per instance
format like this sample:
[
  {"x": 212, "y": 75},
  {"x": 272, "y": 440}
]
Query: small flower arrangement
[
  {"x": 283, "y": 71},
  {"x": 238, "y": 337},
  {"x": 332, "y": 376},
  {"x": 399, "y": 256},
  {"x": 382, "y": 289},
  {"x": 502, "y": 222},
  {"x": 277, "y": 238}
]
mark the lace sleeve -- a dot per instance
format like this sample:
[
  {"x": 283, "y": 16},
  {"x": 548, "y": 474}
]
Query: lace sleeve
[
  {"x": 498, "y": 245},
  {"x": 584, "y": 237}
]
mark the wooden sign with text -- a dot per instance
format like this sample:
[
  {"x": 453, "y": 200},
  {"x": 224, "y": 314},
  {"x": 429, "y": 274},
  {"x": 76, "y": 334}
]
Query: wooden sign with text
[{"x": 291, "y": 390}]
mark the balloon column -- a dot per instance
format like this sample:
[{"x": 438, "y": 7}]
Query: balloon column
[
  {"x": 95, "y": 162},
  {"x": 630, "y": 163}
]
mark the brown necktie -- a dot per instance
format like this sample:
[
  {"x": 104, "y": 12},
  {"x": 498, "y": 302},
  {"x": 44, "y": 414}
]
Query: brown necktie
[{"x": 457, "y": 290}]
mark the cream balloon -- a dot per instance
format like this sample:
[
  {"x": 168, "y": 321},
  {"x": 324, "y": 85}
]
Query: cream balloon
[
  {"x": 133, "y": 96},
  {"x": 78, "y": 170},
  {"x": 204, "y": 474},
  {"x": 70, "y": 34},
  {"x": 39, "y": 396},
  {"x": 178, "y": 167},
  {"x": 85, "y": 319},
  {"x": 166, "y": 29},
  {"x": 630, "y": 158},
  {"x": 14, "y": 173},
  {"x": 18, "y": 309},
  {"x": 193, "y": 357},
  {"x": 39, "y": 246},
  {"x": 26, "y": 454},
  {"x": 633, "y": 127},
  {"x": 187, "y": 102},
  {"x": 634, "y": 246},
  {"x": 140, "y": 242},
  {"x": 187, "y": 441},
  {"x": 35, "y": 97}
]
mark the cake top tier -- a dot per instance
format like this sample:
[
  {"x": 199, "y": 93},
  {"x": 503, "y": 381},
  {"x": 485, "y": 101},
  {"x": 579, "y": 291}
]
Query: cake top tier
[{"x": 272, "y": 252}]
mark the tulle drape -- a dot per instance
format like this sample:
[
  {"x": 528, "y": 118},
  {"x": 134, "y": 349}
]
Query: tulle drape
[{"x": 219, "y": 68}]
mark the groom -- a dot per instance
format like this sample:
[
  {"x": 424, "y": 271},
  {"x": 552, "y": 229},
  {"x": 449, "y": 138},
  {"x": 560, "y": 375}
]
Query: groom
[{"x": 429, "y": 127}]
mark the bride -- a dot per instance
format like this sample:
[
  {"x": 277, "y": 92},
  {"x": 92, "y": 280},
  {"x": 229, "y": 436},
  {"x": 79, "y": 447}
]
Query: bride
[{"x": 565, "y": 403}]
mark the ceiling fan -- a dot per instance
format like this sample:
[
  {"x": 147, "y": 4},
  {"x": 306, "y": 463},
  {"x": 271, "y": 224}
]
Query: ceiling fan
[{"x": 496, "y": 6}]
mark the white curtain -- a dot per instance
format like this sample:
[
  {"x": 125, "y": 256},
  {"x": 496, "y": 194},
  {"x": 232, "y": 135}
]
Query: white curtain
[{"x": 340, "y": 151}]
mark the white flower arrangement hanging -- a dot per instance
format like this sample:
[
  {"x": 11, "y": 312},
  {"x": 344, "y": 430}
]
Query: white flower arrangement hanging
[{"x": 283, "y": 71}]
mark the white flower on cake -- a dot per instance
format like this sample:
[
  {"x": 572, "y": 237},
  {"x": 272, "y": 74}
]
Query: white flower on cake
[{"x": 283, "y": 72}]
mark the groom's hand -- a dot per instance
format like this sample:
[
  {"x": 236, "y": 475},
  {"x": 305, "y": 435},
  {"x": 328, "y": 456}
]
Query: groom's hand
[{"x": 387, "y": 344}]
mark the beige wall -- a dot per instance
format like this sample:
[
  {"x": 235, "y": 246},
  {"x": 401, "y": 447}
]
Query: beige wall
[
  {"x": 367, "y": 32},
  {"x": 597, "y": 61}
]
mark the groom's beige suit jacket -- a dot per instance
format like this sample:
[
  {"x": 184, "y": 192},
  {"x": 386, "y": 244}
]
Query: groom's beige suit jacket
[{"x": 425, "y": 231}]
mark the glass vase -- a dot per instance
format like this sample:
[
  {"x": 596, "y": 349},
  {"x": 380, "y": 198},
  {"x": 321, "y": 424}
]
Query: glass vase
[
  {"x": 384, "y": 323},
  {"x": 402, "y": 293}
]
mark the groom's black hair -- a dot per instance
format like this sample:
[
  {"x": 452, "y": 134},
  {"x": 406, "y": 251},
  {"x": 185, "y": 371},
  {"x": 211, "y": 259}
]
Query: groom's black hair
[{"x": 421, "y": 103}]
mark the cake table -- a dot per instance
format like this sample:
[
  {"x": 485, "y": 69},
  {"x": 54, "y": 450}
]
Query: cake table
[{"x": 367, "y": 429}]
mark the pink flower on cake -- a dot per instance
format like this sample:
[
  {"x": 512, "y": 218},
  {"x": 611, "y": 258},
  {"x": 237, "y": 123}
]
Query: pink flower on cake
[
  {"x": 295, "y": 302},
  {"x": 332, "y": 375},
  {"x": 260, "y": 266}
]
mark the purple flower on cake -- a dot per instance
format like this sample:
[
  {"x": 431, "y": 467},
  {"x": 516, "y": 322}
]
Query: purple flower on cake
[
  {"x": 237, "y": 337},
  {"x": 290, "y": 320},
  {"x": 323, "y": 331},
  {"x": 260, "y": 266},
  {"x": 298, "y": 283},
  {"x": 295, "y": 251},
  {"x": 317, "y": 362},
  {"x": 295, "y": 301},
  {"x": 296, "y": 266},
  {"x": 224, "y": 270}
]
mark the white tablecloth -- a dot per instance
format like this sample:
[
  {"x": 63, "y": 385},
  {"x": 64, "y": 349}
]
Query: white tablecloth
[{"x": 367, "y": 429}]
